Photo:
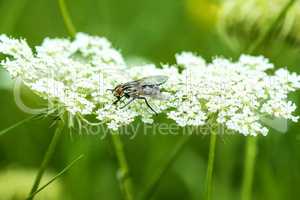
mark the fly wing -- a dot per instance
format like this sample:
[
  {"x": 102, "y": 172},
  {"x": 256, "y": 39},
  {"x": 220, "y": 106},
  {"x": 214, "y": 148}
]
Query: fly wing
[
  {"x": 137, "y": 85},
  {"x": 152, "y": 80}
]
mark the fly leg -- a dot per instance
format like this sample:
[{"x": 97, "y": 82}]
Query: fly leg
[
  {"x": 129, "y": 102},
  {"x": 144, "y": 98},
  {"x": 116, "y": 101}
]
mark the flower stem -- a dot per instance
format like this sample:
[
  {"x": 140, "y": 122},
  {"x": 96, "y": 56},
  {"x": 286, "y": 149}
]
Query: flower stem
[
  {"x": 210, "y": 166},
  {"x": 123, "y": 173},
  {"x": 250, "y": 151},
  {"x": 272, "y": 27},
  {"x": 56, "y": 176},
  {"x": 17, "y": 124},
  {"x": 47, "y": 157},
  {"x": 152, "y": 187},
  {"x": 66, "y": 17},
  {"x": 249, "y": 168}
]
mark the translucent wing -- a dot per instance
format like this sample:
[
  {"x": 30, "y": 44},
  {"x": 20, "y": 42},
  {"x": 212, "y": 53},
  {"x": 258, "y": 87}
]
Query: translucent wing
[{"x": 152, "y": 80}]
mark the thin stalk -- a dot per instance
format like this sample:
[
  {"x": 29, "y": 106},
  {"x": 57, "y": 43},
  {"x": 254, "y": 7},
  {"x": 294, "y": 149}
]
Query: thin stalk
[
  {"x": 250, "y": 152},
  {"x": 55, "y": 177},
  {"x": 154, "y": 183},
  {"x": 123, "y": 172},
  {"x": 17, "y": 124},
  {"x": 210, "y": 166},
  {"x": 47, "y": 157},
  {"x": 272, "y": 27},
  {"x": 249, "y": 168},
  {"x": 66, "y": 17}
]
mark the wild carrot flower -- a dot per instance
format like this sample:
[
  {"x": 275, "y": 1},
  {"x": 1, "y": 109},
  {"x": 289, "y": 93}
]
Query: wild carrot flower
[
  {"x": 74, "y": 76},
  {"x": 235, "y": 95}
]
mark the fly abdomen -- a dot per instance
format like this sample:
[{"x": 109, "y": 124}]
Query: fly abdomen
[{"x": 151, "y": 90}]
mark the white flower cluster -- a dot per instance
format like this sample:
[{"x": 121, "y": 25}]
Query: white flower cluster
[
  {"x": 233, "y": 94},
  {"x": 76, "y": 75},
  {"x": 71, "y": 74}
]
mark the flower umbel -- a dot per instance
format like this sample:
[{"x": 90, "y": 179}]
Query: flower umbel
[
  {"x": 74, "y": 76},
  {"x": 235, "y": 95},
  {"x": 70, "y": 74}
]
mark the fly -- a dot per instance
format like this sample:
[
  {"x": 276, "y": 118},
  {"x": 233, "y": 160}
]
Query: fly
[{"x": 139, "y": 89}]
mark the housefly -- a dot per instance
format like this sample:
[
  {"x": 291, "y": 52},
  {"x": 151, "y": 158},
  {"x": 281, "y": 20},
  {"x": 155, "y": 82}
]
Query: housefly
[{"x": 139, "y": 89}]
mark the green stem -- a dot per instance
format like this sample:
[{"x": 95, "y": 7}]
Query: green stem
[
  {"x": 272, "y": 27},
  {"x": 17, "y": 124},
  {"x": 249, "y": 168},
  {"x": 66, "y": 17},
  {"x": 123, "y": 173},
  {"x": 250, "y": 151},
  {"x": 55, "y": 177},
  {"x": 210, "y": 166},
  {"x": 154, "y": 183},
  {"x": 47, "y": 157}
]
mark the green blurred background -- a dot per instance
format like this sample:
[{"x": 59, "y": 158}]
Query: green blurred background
[{"x": 150, "y": 31}]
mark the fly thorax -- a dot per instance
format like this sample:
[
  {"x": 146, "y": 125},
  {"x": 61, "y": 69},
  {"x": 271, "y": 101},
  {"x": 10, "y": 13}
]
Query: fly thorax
[{"x": 118, "y": 91}]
